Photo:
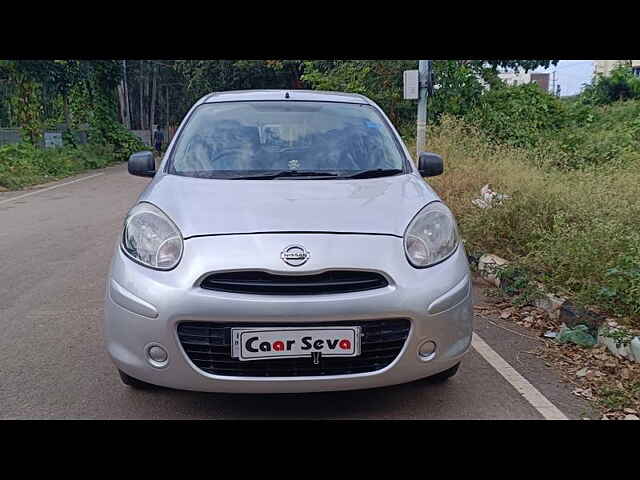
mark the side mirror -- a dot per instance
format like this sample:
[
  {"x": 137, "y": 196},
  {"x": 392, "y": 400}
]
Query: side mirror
[
  {"x": 142, "y": 164},
  {"x": 430, "y": 164}
]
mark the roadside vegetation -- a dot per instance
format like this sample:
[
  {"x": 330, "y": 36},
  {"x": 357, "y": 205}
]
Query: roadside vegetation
[
  {"x": 37, "y": 95},
  {"x": 577, "y": 231},
  {"x": 572, "y": 170},
  {"x": 23, "y": 164}
]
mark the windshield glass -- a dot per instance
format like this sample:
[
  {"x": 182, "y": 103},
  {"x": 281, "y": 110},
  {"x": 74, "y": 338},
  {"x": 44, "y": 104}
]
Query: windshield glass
[{"x": 223, "y": 140}]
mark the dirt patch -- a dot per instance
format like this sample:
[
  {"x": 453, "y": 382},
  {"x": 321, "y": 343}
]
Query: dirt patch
[{"x": 611, "y": 384}]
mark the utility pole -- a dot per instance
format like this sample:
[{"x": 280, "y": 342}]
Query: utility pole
[
  {"x": 553, "y": 83},
  {"x": 424, "y": 72}
]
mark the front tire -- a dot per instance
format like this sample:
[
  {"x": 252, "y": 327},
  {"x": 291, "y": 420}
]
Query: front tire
[{"x": 134, "y": 382}]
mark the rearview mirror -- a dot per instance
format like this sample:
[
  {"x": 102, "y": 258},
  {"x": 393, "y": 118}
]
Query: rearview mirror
[
  {"x": 430, "y": 164},
  {"x": 142, "y": 164}
]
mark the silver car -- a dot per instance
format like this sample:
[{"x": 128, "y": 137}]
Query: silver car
[{"x": 287, "y": 243}]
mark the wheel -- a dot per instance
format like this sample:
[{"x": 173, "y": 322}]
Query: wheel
[
  {"x": 134, "y": 382},
  {"x": 444, "y": 376}
]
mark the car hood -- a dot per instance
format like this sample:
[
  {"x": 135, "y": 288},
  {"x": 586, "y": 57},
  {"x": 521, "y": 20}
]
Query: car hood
[{"x": 209, "y": 206}]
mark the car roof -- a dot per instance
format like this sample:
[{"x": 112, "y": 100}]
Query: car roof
[{"x": 308, "y": 95}]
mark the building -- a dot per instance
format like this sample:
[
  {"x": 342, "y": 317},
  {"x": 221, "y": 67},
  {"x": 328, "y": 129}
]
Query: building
[
  {"x": 604, "y": 67},
  {"x": 542, "y": 79},
  {"x": 520, "y": 78}
]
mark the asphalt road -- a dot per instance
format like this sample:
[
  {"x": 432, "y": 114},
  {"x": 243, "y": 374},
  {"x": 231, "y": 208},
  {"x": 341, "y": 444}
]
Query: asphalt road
[{"x": 55, "y": 246}]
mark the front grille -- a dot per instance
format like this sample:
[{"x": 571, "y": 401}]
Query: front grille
[
  {"x": 265, "y": 283},
  {"x": 208, "y": 346}
]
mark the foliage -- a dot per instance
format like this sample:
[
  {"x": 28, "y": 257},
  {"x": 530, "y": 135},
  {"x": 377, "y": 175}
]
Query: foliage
[
  {"x": 575, "y": 231},
  {"x": 460, "y": 83},
  {"x": 83, "y": 91},
  {"x": 565, "y": 134},
  {"x": 122, "y": 142},
  {"x": 380, "y": 80},
  {"x": 621, "y": 84},
  {"x": 600, "y": 137},
  {"x": 35, "y": 87},
  {"x": 205, "y": 76},
  {"x": 612, "y": 397},
  {"x": 516, "y": 282},
  {"x": 517, "y": 115},
  {"x": 104, "y": 126},
  {"x": 25, "y": 164},
  {"x": 79, "y": 105},
  {"x": 28, "y": 109},
  {"x": 459, "y": 90},
  {"x": 621, "y": 335}
]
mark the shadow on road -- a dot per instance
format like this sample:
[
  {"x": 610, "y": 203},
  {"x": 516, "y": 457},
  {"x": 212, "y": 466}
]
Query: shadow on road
[{"x": 401, "y": 401}]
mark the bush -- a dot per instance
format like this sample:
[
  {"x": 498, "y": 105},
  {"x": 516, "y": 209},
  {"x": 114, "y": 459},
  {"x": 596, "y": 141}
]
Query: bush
[
  {"x": 606, "y": 135},
  {"x": 578, "y": 232},
  {"x": 114, "y": 135},
  {"x": 567, "y": 135},
  {"x": 621, "y": 84},
  {"x": 517, "y": 115},
  {"x": 24, "y": 164}
]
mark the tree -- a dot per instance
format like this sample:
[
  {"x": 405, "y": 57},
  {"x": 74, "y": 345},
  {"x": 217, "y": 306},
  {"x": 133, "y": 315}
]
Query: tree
[
  {"x": 154, "y": 87},
  {"x": 26, "y": 103},
  {"x": 380, "y": 80},
  {"x": 460, "y": 82},
  {"x": 620, "y": 85},
  {"x": 205, "y": 76}
]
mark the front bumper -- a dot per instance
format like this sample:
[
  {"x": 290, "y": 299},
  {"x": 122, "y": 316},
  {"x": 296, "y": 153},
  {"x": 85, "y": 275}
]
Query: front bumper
[{"x": 144, "y": 306}]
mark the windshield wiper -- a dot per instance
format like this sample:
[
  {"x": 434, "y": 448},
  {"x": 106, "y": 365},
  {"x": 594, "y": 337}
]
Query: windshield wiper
[
  {"x": 377, "y": 172},
  {"x": 286, "y": 173}
]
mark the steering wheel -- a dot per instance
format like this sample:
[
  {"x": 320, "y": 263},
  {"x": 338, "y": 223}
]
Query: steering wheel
[{"x": 233, "y": 159}]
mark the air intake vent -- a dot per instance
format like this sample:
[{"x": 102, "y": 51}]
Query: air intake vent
[{"x": 264, "y": 283}]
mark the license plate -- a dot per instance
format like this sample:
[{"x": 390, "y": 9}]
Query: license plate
[{"x": 295, "y": 342}]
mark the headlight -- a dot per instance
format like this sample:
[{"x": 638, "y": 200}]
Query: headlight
[
  {"x": 431, "y": 236},
  {"x": 150, "y": 238}
]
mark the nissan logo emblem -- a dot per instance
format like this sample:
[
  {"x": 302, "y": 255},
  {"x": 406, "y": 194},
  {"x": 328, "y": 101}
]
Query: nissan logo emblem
[{"x": 295, "y": 255}]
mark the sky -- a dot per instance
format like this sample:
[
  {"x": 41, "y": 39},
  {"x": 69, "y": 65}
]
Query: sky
[{"x": 571, "y": 74}]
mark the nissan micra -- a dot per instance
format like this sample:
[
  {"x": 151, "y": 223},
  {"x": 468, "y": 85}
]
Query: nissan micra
[{"x": 287, "y": 243}]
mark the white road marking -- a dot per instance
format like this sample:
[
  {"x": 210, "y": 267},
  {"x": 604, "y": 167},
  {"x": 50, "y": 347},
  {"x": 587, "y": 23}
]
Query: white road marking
[
  {"x": 547, "y": 409},
  {"x": 50, "y": 188}
]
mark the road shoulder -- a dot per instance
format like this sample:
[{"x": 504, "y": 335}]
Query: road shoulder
[{"x": 519, "y": 347}]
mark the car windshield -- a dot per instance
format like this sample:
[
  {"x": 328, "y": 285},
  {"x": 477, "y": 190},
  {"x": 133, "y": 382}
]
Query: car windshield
[{"x": 285, "y": 139}]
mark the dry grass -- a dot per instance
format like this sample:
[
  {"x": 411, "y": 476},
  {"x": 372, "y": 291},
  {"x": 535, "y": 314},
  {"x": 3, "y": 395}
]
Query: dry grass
[{"x": 569, "y": 228}]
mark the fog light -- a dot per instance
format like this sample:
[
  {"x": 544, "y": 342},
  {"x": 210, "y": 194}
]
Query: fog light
[
  {"x": 427, "y": 350},
  {"x": 158, "y": 356}
]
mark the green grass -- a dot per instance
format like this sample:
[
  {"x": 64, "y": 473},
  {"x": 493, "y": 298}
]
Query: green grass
[
  {"x": 606, "y": 136},
  {"x": 614, "y": 398},
  {"x": 23, "y": 164}
]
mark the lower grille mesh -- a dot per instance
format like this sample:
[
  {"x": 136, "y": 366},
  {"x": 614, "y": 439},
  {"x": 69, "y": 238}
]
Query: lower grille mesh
[{"x": 208, "y": 346}]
